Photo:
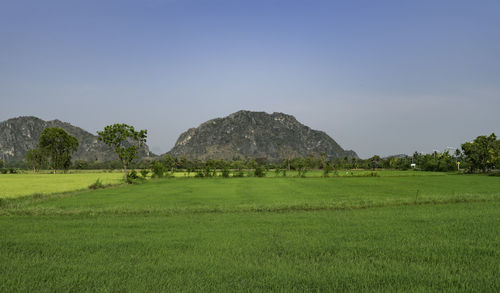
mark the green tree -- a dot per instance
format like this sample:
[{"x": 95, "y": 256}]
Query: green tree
[
  {"x": 158, "y": 169},
  {"x": 125, "y": 141},
  {"x": 36, "y": 159},
  {"x": 375, "y": 161},
  {"x": 327, "y": 168},
  {"x": 169, "y": 162},
  {"x": 482, "y": 153},
  {"x": 1, "y": 164},
  {"x": 58, "y": 146}
]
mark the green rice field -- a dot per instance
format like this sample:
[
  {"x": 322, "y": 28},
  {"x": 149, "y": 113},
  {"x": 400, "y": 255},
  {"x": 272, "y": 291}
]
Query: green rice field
[
  {"x": 15, "y": 185},
  {"x": 395, "y": 232}
]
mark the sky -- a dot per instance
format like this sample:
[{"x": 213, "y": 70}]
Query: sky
[{"x": 380, "y": 77}]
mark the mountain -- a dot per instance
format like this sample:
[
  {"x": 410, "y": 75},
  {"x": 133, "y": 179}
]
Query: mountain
[
  {"x": 256, "y": 135},
  {"x": 19, "y": 135}
]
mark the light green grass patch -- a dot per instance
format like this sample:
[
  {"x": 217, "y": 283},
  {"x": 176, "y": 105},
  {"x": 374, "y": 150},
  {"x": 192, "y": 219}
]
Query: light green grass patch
[{"x": 15, "y": 185}]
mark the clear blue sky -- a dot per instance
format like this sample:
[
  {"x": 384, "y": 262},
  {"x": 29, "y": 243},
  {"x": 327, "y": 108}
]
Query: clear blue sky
[{"x": 380, "y": 77}]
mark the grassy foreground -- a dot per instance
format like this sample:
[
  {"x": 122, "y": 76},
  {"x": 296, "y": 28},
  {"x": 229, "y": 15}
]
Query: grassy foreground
[{"x": 258, "y": 234}]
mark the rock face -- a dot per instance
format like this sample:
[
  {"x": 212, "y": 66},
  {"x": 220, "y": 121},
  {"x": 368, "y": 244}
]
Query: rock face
[
  {"x": 19, "y": 135},
  {"x": 255, "y": 135}
]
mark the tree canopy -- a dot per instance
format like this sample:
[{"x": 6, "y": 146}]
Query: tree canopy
[
  {"x": 483, "y": 153},
  {"x": 124, "y": 140},
  {"x": 58, "y": 146},
  {"x": 36, "y": 159}
]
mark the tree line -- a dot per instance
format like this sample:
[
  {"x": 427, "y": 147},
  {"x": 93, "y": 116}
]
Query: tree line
[{"x": 56, "y": 147}]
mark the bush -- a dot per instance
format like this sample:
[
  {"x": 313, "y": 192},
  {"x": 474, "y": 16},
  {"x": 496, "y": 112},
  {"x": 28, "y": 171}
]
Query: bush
[
  {"x": 97, "y": 184},
  {"x": 225, "y": 172},
  {"x": 158, "y": 169},
  {"x": 239, "y": 174},
  {"x": 132, "y": 175},
  {"x": 133, "y": 178},
  {"x": 208, "y": 171},
  {"x": 144, "y": 173},
  {"x": 3, "y": 171},
  {"x": 259, "y": 171},
  {"x": 199, "y": 173}
]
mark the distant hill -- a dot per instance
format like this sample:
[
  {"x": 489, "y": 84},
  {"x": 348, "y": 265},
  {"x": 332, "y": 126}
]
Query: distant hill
[
  {"x": 19, "y": 135},
  {"x": 256, "y": 135}
]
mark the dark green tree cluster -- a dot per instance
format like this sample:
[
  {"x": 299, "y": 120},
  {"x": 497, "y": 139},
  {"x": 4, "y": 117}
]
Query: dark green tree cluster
[
  {"x": 441, "y": 162},
  {"x": 483, "y": 153},
  {"x": 55, "y": 148}
]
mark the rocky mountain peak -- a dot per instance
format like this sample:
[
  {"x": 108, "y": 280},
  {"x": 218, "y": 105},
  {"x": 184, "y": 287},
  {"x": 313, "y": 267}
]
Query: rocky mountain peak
[{"x": 255, "y": 134}]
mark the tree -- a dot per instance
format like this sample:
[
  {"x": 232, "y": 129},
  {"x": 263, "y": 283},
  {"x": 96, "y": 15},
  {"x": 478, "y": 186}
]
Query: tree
[
  {"x": 1, "y": 164},
  {"x": 286, "y": 155},
  {"x": 169, "y": 162},
  {"x": 36, "y": 159},
  {"x": 375, "y": 161},
  {"x": 58, "y": 146},
  {"x": 482, "y": 153},
  {"x": 125, "y": 141}
]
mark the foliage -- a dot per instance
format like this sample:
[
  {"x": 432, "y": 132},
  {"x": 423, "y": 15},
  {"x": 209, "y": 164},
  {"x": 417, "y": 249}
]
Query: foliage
[
  {"x": 259, "y": 171},
  {"x": 327, "y": 168},
  {"x": 225, "y": 172},
  {"x": 97, "y": 184},
  {"x": 36, "y": 159},
  {"x": 125, "y": 141},
  {"x": 158, "y": 169},
  {"x": 133, "y": 177},
  {"x": 144, "y": 173},
  {"x": 169, "y": 162},
  {"x": 58, "y": 146},
  {"x": 483, "y": 153},
  {"x": 207, "y": 171}
]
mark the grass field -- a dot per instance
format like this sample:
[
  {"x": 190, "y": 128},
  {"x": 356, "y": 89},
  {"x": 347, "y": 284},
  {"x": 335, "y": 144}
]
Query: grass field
[
  {"x": 14, "y": 185},
  {"x": 44, "y": 182},
  {"x": 258, "y": 234}
]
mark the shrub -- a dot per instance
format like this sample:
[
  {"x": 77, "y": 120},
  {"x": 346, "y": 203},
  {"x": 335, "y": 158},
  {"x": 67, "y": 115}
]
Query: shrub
[
  {"x": 199, "y": 173},
  {"x": 208, "y": 171},
  {"x": 133, "y": 178},
  {"x": 225, "y": 172},
  {"x": 97, "y": 184},
  {"x": 326, "y": 170},
  {"x": 158, "y": 169},
  {"x": 239, "y": 174},
  {"x": 259, "y": 171},
  {"x": 144, "y": 173}
]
